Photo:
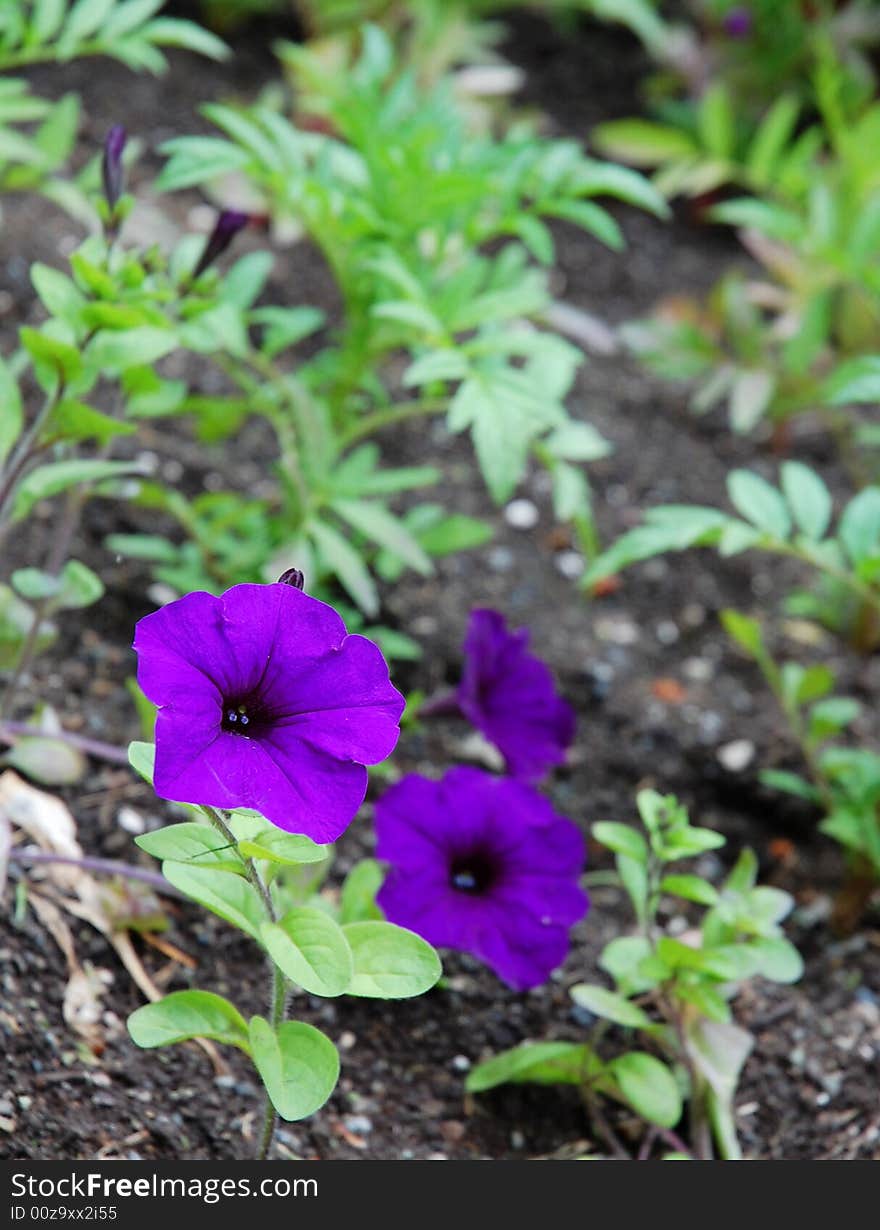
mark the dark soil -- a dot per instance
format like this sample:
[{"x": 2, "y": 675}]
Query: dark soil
[{"x": 810, "y": 1088}]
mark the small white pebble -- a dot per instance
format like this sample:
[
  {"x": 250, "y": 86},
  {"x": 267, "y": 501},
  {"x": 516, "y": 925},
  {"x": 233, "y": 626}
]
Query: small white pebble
[
  {"x": 500, "y": 559},
  {"x": 619, "y": 630},
  {"x": 521, "y": 514},
  {"x": 130, "y": 820},
  {"x": 698, "y": 670},
  {"x": 160, "y": 593},
  {"x": 737, "y": 755},
  {"x": 666, "y": 632},
  {"x": 347, "y": 1040},
  {"x": 461, "y": 1063},
  {"x": 569, "y": 563}
]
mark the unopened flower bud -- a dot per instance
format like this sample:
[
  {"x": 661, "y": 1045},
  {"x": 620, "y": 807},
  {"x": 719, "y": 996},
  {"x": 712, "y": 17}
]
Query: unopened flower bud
[
  {"x": 737, "y": 22},
  {"x": 293, "y": 577},
  {"x": 227, "y": 226},
  {"x": 111, "y": 165}
]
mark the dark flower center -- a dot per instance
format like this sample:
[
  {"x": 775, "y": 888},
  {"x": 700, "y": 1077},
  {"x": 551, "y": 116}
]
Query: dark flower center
[
  {"x": 247, "y": 717},
  {"x": 473, "y": 873}
]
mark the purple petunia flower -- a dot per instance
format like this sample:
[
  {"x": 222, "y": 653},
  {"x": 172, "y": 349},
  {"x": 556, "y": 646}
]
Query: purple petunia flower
[
  {"x": 484, "y": 865},
  {"x": 265, "y": 702},
  {"x": 510, "y": 696}
]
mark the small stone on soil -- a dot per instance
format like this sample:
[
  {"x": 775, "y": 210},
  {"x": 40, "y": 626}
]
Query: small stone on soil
[
  {"x": 737, "y": 755},
  {"x": 521, "y": 515}
]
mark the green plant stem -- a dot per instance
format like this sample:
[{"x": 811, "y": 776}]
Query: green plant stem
[
  {"x": 278, "y": 986},
  {"x": 868, "y": 595},
  {"x": 379, "y": 419},
  {"x": 23, "y": 452},
  {"x": 67, "y": 526}
]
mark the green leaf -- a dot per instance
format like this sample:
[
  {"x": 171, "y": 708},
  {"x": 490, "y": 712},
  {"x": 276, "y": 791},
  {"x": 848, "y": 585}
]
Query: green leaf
[
  {"x": 188, "y": 1014},
  {"x": 623, "y": 958},
  {"x": 853, "y": 382},
  {"x": 769, "y": 142},
  {"x": 457, "y": 532},
  {"x": 358, "y": 898},
  {"x": 228, "y": 896},
  {"x": 57, "y": 476},
  {"x": 750, "y": 396},
  {"x": 286, "y": 849},
  {"x": 719, "y": 1050},
  {"x": 539, "y": 1063},
  {"x": 776, "y": 959},
  {"x": 59, "y": 295},
  {"x": 12, "y": 417},
  {"x": 648, "y": 1086},
  {"x": 692, "y": 888},
  {"x": 84, "y": 19},
  {"x": 74, "y": 420},
  {"x": 118, "y": 349},
  {"x": 172, "y": 32},
  {"x": 622, "y": 839},
  {"x": 53, "y": 359},
  {"x": 193, "y": 843},
  {"x": 377, "y": 523},
  {"x": 685, "y": 842},
  {"x": 642, "y": 142},
  {"x": 340, "y": 558},
  {"x": 808, "y": 498},
  {"x": 745, "y": 630},
  {"x": 829, "y": 717},
  {"x": 574, "y": 441},
  {"x": 789, "y": 783},
  {"x": 859, "y": 527},
  {"x": 716, "y": 121},
  {"x": 635, "y": 880},
  {"x": 298, "y": 1065},
  {"x": 760, "y": 503},
  {"x": 390, "y": 962},
  {"x": 78, "y": 587},
  {"x": 141, "y": 757},
  {"x": 311, "y": 950},
  {"x": 612, "y": 1007}
]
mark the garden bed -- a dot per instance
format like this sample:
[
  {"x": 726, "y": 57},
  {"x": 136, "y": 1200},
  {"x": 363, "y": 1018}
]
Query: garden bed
[{"x": 658, "y": 688}]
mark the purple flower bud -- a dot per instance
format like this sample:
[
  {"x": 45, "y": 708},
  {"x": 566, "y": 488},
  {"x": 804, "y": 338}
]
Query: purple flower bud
[
  {"x": 111, "y": 167},
  {"x": 293, "y": 577},
  {"x": 737, "y": 22},
  {"x": 227, "y": 226}
]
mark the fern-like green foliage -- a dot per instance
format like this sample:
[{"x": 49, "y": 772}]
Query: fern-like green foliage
[
  {"x": 37, "y": 136},
  {"x": 436, "y": 232},
  {"x": 133, "y": 31}
]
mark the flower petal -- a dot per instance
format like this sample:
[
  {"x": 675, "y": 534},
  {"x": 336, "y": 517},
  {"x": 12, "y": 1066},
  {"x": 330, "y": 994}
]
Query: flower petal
[{"x": 344, "y": 702}]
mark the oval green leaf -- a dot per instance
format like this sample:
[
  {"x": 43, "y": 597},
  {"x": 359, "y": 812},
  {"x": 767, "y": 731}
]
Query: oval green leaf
[
  {"x": 390, "y": 962},
  {"x": 311, "y": 950},
  {"x": 188, "y": 1014},
  {"x": 648, "y": 1086},
  {"x": 298, "y": 1065}
]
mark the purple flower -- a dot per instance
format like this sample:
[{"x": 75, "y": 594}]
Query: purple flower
[
  {"x": 509, "y": 695},
  {"x": 111, "y": 165},
  {"x": 265, "y": 702},
  {"x": 484, "y": 865},
  {"x": 227, "y": 226},
  {"x": 737, "y": 22}
]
